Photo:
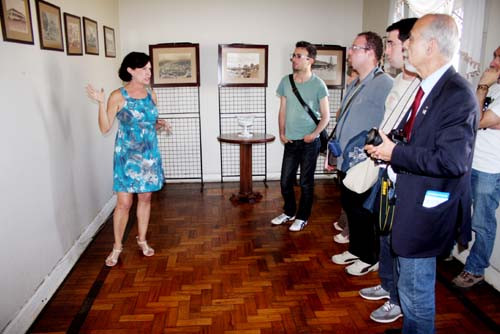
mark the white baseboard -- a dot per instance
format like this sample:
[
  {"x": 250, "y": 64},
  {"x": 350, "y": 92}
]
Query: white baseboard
[{"x": 28, "y": 313}]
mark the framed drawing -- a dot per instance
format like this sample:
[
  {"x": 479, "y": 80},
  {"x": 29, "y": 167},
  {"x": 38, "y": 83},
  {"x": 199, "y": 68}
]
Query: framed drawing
[
  {"x": 90, "y": 36},
  {"x": 49, "y": 26},
  {"x": 330, "y": 65},
  {"x": 109, "y": 42},
  {"x": 16, "y": 21},
  {"x": 242, "y": 65},
  {"x": 175, "y": 64},
  {"x": 73, "y": 33}
]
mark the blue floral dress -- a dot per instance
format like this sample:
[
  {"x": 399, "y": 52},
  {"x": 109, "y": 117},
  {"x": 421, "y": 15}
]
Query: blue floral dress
[{"x": 137, "y": 160}]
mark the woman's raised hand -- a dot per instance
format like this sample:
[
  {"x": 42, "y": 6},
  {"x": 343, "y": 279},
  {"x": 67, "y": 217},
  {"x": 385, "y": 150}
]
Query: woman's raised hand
[{"x": 96, "y": 95}]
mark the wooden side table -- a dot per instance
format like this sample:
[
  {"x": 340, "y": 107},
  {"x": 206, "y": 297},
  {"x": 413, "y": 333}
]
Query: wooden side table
[{"x": 246, "y": 193}]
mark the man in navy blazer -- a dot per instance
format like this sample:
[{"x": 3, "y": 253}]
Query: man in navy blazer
[{"x": 431, "y": 170}]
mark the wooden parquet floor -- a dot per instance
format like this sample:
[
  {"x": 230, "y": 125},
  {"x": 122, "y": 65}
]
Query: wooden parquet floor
[{"x": 223, "y": 268}]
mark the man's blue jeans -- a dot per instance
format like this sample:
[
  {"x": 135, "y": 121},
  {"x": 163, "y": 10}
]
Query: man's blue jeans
[
  {"x": 299, "y": 153},
  {"x": 387, "y": 269},
  {"x": 416, "y": 286},
  {"x": 485, "y": 198}
]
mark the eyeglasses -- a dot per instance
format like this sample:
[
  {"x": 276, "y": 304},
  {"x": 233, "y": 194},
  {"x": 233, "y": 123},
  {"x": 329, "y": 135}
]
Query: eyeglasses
[
  {"x": 358, "y": 47},
  {"x": 298, "y": 56}
]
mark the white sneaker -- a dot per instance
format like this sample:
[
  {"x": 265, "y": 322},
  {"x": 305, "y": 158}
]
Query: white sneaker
[
  {"x": 360, "y": 268},
  {"x": 337, "y": 226},
  {"x": 282, "y": 219},
  {"x": 344, "y": 258},
  {"x": 298, "y": 225},
  {"x": 340, "y": 239}
]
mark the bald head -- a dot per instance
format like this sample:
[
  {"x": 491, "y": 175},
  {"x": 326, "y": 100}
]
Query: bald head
[{"x": 443, "y": 30}]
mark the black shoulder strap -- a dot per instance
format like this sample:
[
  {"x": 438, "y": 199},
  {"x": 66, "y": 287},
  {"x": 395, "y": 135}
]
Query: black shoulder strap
[{"x": 304, "y": 104}]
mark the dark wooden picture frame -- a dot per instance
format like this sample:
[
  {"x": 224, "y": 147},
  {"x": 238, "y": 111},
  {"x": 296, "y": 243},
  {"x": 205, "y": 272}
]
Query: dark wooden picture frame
[
  {"x": 109, "y": 42},
  {"x": 16, "y": 21},
  {"x": 175, "y": 64},
  {"x": 243, "y": 65},
  {"x": 330, "y": 65},
  {"x": 49, "y": 26},
  {"x": 73, "y": 34},
  {"x": 91, "y": 36}
]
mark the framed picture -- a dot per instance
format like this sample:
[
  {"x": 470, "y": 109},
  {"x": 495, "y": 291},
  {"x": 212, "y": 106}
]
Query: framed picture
[
  {"x": 175, "y": 64},
  {"x": 49, "y": 26},
  {"x": 73, "y": 32},
  {"x": 242, "y": 65},
  {"x": 90, "y": 36},
  {"x": 330, "y": 65},
  {"x": 15, "y": 16},
  {"x": 109, "y": 42}
]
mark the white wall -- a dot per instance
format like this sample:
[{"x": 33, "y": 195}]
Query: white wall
[
  {"x": 56, "y": 166},
  {"x": 278, "y": 24}
]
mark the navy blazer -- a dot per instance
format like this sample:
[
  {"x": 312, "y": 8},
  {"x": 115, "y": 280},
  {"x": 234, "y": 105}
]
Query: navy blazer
[{"x": 437, "y": 157}]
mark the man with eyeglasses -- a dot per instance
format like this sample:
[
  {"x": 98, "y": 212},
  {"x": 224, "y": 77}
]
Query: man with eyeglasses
[
  {"x": 362, "y": 108},
  {"x": 300, "y": 134}
]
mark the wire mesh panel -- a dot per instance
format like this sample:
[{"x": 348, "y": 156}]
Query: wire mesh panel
[
  {"x": 181, "y": 148},
  {"x": 236, "y": 102}
]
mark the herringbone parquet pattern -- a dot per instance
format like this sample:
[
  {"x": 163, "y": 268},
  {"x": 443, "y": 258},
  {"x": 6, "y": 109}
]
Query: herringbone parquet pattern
[{"x": 221, "y": 268}]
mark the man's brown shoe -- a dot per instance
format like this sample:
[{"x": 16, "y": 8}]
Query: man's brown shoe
[{"x": 467, "y": 280}]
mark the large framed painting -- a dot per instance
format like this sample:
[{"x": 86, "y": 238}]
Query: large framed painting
[
  {"x": 109, "y": 42},
  {"x": 330, "y": 65},
  {"x": 243, "y": 65},
  {"x": 49, "y": 26},
  {"x": 73, "y": 33},
  {"x": 16, "y": 21},
  {"x": 175, "y": 64},
  {"x": 91, "y": 36}
]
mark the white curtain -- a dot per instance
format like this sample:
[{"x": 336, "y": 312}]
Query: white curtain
[
  {"x": 422, "y": 7},
  {"x": 472, "y": 38}
]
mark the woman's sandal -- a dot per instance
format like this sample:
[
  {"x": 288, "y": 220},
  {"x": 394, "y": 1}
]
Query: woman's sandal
[
  {"x": 112, "y": 258},
  {"x": 146, "y": 250}
]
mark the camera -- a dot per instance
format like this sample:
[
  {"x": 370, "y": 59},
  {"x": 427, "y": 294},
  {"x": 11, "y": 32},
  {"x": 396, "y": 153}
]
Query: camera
[{"x": 373, "y": 137}]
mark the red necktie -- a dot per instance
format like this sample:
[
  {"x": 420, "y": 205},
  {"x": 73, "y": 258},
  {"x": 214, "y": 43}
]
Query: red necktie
[{"x": 414, "y": 108}]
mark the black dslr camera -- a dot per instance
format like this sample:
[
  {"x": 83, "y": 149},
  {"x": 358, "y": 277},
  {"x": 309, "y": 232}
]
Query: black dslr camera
[{"x": 373, "y": 137}]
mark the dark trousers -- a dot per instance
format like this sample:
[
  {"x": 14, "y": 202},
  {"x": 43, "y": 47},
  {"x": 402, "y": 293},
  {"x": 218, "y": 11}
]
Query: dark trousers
[
  {"x": 298, "y": 153},
  {"x": 363, "y": 238}
]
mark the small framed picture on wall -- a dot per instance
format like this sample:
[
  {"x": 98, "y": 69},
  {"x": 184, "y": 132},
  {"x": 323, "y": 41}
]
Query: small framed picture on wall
[
  {"x": 330, "y": 65},
  {"x": 175, "y": 64},
  {"x": 243, "y": 65},
  {"x": 73, "y": 32},
  {"x": 90, "y": 36},
  {"x": 49, "y": 26},
  {"x": 15, "y": 16},
  {"x": 109, "y": 42}
]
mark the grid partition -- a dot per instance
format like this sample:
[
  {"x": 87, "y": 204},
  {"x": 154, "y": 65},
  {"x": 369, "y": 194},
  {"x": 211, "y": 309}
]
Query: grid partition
[
  {"x": 235, "y": 102},
  {"x": 181, "y": 147}
]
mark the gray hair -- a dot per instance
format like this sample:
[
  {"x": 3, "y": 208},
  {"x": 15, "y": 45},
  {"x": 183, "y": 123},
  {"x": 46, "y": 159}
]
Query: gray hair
[{"x": 443, "y": 29}]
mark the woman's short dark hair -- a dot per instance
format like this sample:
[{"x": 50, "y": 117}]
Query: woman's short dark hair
[{"x": 133, "y": 60}]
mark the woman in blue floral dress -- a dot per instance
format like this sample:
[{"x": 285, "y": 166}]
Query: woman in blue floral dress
[{"x": 137, "y": 161}]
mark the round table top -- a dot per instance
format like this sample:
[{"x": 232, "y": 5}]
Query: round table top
[{"x": 236, "y": 139}]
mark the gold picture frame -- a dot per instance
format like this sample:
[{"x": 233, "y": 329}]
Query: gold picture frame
[
  {"x": 15, "y": 16},
  {"x": 175, "y": 64}
]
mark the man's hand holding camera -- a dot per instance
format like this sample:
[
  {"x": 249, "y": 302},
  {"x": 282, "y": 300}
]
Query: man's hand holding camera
[{"x": 382, "y": 151}]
